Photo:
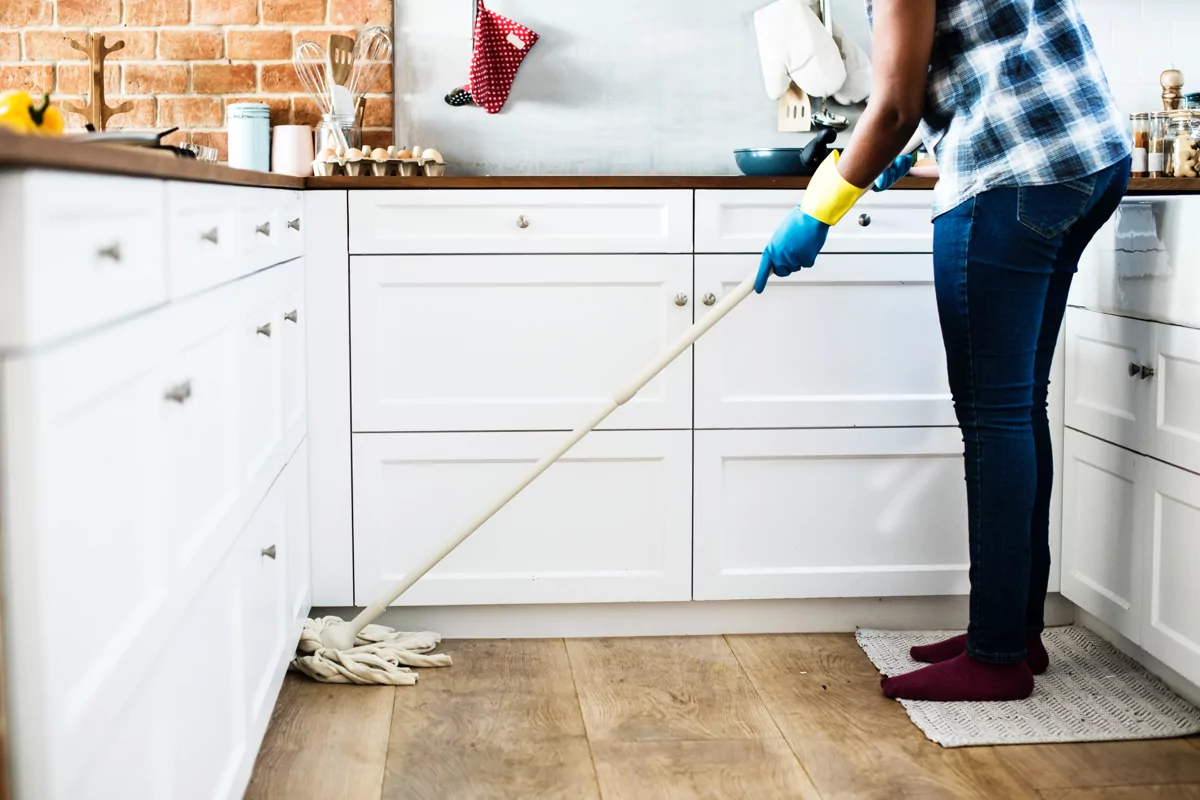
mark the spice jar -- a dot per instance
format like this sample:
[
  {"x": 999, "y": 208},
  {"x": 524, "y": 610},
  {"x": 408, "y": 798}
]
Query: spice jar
[
  {"x": 1160, "y": 132},
  {"x": 1140, "y": 124},
  {"x": 1181, "y": 146},
  {"x": 250, "y": 136}
]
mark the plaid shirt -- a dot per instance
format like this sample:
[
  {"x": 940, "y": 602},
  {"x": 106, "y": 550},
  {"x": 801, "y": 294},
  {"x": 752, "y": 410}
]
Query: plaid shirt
[{"x": 1016, "y": 97}]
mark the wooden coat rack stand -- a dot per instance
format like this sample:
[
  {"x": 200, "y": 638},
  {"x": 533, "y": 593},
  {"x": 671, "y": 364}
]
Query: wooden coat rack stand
[{"x": 96, "y": 110}]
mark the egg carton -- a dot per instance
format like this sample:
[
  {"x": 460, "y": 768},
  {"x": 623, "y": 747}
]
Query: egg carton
[{"x": 354, "y": 165}]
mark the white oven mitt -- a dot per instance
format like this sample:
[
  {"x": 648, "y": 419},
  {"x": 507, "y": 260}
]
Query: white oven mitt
[
  {"x": 858, "y": 69},
  {"x": 793, "y": 45}
]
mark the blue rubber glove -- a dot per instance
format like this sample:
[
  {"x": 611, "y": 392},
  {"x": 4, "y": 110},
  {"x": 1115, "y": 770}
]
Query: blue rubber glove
[
  {"x": 895, "y": 172},
  {"x": 794, "y": 246}
]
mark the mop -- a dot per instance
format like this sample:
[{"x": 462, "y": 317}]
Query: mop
[{"x": 334, "y": 651}]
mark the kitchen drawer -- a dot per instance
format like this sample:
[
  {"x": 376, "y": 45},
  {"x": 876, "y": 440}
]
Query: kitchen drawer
[
  {"x": 829, "y": 513},
  {"x": 292, "y": 334},
  {"x": 260, "y": 355},
  {"x": 93, "y": 250},
  {"x": 462, "y": 343},
  {"x": 820, "y": 349},
  {"x": 299, "y": 568},
  {"x": 520, "y": 221},
  {"x": 292, "y": 206},
  {"x": 742, "y": 221},
  {"x": 262, "y": 556},
  {"x": 609, "y": 522},
  {"x": 1173, "y": 418},
  {"x": 261, "y": 219},
  {"x": 201, "y": 226},
  {"x": 1105, "y": 393}
]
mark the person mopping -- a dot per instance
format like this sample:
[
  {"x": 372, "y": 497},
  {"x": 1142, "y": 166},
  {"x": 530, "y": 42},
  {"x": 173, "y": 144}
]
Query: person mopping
[{"x": 1033, "y": 158}]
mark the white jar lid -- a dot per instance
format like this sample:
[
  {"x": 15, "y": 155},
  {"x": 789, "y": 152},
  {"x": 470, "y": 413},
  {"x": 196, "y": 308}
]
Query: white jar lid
[{"x": 248, "y": 111}]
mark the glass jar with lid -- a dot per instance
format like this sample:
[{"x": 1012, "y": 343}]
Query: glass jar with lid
[
  {"x": 1182, "y": 144},
  {"x": 1140, "y": 127},
  {"x": 1160, "y": 135}
]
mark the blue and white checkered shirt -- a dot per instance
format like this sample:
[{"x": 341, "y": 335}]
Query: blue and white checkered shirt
[{"x": 1016, "y": 97}]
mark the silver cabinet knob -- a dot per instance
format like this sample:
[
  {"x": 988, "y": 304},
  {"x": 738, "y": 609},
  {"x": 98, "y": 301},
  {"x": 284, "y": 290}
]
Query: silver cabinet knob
[
  {"x": 213, "y": 236},
  {"x": 179, "y": 393},
  {"x": 294, "y": 224},
  {"x": 112, "y": 252},
  {"x": 265, "y": 330},
  {"x": 269, "y": 552},
  {"x": 292, "y": 316},
  {"x": 681, "y": 299},
  {"x": 522, "y": 222},
  {"x": 1146, "y": 372},
  {"x": 709, "y": 299},
  {"x": 1134, "y": 370},
  {"x": 864, "y": 220},
  {"x": 264, "y": 229}
]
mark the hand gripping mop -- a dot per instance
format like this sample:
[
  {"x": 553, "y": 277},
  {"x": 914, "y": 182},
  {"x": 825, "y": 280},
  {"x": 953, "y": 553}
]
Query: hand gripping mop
[{"x": 334, "y": 651}]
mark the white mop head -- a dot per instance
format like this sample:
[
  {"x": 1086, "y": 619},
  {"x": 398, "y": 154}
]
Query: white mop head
[{"x": 380, "y": 656}]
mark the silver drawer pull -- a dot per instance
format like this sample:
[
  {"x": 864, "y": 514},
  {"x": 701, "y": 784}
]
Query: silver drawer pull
[
  {"x": 180, "y": 393},
  {"x": 864, "y": 220},
  {"x": 112, "y": 252},
  {"x": 213, "y": 236},
  {"x": 269, "y": 552},
  {"x": 681, "y": 299},
  {"x": 1134, "y": 370},
  {"x": 264, "y": 229},
  {"x": 522, "y": 222},
  {"x": 709, "y": 299},
  {"x": 294, "y": 224},
  {"x": 292, "y": 316},
  {"x": 1147, "y": 372},
  {"x": 265, "y": 330}
]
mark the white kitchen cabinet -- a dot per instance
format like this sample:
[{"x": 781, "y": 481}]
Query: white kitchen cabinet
[
  {"x": 1170, "y": 524},
  {"x": 610, "y": 522},
  {"x": 743, "y": 221},
  {"x": 855, "y": 343},
  {"x": 299, "y": 567},
  {"x": 522, "y": 221},
  {"x": 469, "y": 343},
  {"x": 261, "y": 379},
  {"x": 829, "y": 513},
  {"x": 293, "y": 331},
  {"x": 1102, "y": 549},
  {"x": 1173, "y": 419},
  {"x": 1105, "y": 395},
  {"x": 201, "y": 223},
  {"x": 262, "y": 555}
]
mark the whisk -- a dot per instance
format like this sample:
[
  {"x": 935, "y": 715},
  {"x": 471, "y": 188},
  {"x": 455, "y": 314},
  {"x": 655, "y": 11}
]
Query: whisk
[
  {"x": 372, "y": 55},
  {"x": 312, "y": 68}
]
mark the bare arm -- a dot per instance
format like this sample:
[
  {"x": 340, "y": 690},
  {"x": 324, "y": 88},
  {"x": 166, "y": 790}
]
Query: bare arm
[{"x": 902, "y": 42}]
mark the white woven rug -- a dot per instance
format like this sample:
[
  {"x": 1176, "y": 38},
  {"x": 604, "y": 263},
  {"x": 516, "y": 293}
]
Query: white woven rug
[{"x": 1091, "y": 693}]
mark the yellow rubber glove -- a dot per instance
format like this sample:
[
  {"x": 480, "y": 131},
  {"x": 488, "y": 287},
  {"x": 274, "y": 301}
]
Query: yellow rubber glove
[{"x": 829, "y": 196}]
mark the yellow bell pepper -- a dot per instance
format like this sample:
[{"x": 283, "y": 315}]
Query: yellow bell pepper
[{"x": 19, "y": 113}]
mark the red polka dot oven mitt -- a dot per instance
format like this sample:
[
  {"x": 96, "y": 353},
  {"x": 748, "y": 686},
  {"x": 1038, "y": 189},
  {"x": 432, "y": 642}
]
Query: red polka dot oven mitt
[{"x": 500, "y": 47}]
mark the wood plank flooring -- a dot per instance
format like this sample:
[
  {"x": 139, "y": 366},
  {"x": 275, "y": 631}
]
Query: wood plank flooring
[{"x": 781, "y": 716}]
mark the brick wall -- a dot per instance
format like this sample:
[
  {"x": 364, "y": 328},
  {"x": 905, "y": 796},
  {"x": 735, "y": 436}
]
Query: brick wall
[{"x": 184, "y": 61}]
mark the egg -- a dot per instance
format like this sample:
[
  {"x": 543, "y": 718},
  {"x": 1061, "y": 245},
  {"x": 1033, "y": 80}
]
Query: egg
[
  {"x": 325, "y": 154},
  {"x": 379, "y": 154},
  {"x": 404, "y": 154},
  {"x": 433, "y": 155},
  {"x": 392, "y": 150},
  {"x": 340, "y": 150},
  {"x": 414, "y": 153}
]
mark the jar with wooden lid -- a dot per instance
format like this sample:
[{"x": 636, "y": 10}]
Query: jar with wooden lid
[
  {"x": 1182, "y": 144},
  {"x": 1140, "y": 126}
]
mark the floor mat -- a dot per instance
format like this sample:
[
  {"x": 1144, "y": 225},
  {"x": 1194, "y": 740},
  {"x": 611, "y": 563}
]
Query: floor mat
[{"x": 1091, "y": 693}]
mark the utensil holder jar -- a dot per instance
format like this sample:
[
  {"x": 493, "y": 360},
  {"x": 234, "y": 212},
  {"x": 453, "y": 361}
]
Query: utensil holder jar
[{"x": 324, "y": 137}]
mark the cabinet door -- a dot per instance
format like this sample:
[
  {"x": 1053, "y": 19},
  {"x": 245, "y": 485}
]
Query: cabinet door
[
  {"x": 1101, "y": 547},
  {"x": 609, "y": 522},
  {"x": 293, "y": 332},
  {"x": 299, "y": 570},
  {"x": 1174, "y": 419},
  {"x": 829, "y": 513},
  {"x": 1104, "y": 388},
  {"x": 260, "y": 356},
  {"x": 262, "y": 554},
  {"x": 821, "y": 350},
  {"x": 453, "y": 343},
  {"x": 1172, "y": 519}
]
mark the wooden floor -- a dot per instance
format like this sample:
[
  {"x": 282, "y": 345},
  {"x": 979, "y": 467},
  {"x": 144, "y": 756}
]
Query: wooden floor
[{"x": 713, "y": 717}]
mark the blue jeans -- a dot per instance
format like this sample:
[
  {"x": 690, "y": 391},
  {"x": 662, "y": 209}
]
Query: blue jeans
[{"x": 1003, "y": 263}]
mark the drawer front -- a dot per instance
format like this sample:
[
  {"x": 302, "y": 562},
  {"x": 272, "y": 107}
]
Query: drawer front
[
  {"x": 829, "y": 513},
  {"x": 743, "y": 221},
  {"x": 261, "y": 395},
  {"x": 292, "y": 332},
  {"x": 452, "y": 343},
  {"x": 261, "y": 227},
  {"x": 201, "y": 235},
  {"x": 299, "y": 568},
  {"x": 262, "y": 555},
  {"x": 1105, "y": 394},
  {"x": 521, "y": 221},
  {"x": 609, "y": 522},
  {"x": 820, "y": 349},
  {"x": 96, "y": 250},
  {"x": 1174, "y": 388},
  {"x": 292, "y": 207}
]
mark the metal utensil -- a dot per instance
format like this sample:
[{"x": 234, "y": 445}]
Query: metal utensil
[
  {"x": 825, "y": 117},
  {"x": 313, "y": 70},
  {"x": 341, "y": 58},
  {"x": 372, "y": 55}
]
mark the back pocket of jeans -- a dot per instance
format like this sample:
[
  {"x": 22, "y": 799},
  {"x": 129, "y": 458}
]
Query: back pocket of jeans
[{"x": 1052, "y": 209}]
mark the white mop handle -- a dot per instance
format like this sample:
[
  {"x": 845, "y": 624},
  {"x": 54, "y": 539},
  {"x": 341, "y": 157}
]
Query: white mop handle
[{"x": 727, "y": 304}]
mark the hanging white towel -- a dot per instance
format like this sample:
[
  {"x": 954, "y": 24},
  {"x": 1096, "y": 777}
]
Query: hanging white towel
[
  {"x": 858, "y": 69},
  {"x": 793, "y": 45}
]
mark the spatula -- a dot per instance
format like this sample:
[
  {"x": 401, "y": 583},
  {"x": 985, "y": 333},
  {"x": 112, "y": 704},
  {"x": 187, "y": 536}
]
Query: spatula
[{"x": 341, "y": 58}]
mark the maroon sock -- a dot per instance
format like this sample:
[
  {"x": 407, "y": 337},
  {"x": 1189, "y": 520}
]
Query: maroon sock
[
  {"x": 1035, "y": 652},
  {"x": 962, "y": 678}
]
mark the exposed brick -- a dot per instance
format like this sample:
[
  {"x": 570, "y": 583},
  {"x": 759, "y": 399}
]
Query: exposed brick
[
  {"x": 253, "y": 45},
  {"x": 156, "y": 12},
  {"x": 23, "y": 13},
  {"x": 279, "y": 79},
  {"x": 142, "y": 115},
  {"x": 35, "y": 79},
  {"x": 293, "y": 12},
  {"x": 77, "y": 79},
  {"x": 139, "y": 45},
  {"x": 71, "y": 120},
  {"x": 88, "y": 12},
  {"x": 155, "y": 78},
  {"x": 53, "y": 45},
  {"x": 377, "y": 113},
  {"x": 224, "y": 12},
  {"x": 10, "y": 47},
  {"x": 320, "y": 35},
  {"x": 384, "y": 84},
  {"x": 217, "y": 139},
  {"x": 360, "y": 12},
  {"x": 281, "y": 107},
  {"x": 305, "y": 111},
  {"x": 190, "y": 112},
  {"x": 190, "y": 45},
  {"x": 224, "y": 78},
  {"x": 378, "y": 138}
]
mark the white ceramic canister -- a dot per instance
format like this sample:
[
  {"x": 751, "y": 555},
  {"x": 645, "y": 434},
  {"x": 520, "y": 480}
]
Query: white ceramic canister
[{"x": 249, "y": 127}]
